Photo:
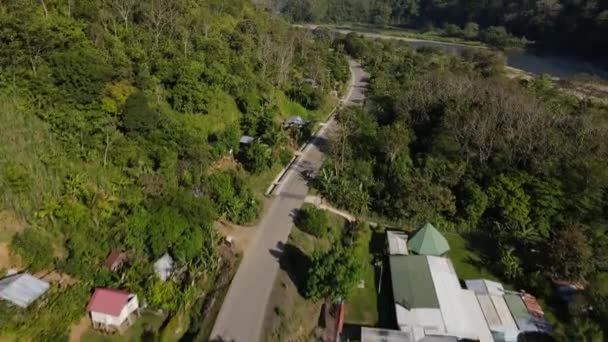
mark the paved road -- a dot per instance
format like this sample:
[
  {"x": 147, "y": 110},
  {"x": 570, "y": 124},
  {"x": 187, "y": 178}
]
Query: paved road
[{"x": 242, "y": 314}]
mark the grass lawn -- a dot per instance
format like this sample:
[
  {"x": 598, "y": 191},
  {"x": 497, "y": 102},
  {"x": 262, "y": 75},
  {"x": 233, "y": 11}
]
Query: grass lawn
[
  {"x": 136, "y": 333},
  {"x": 307, "y": 243},
  {"x": 467, "y": 262},
  {"x": 289, "y": 108},
  {"x": 362, "y": 304}
]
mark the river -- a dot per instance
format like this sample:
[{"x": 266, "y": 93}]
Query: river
[{"x": 553, "y": 65}]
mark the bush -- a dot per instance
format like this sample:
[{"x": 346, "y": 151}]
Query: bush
[
  {"x": 257, "y": 157},
  {"x": 306, "y": 95},
  {"x": 333, "y": 274},
  {"x": 232, "y": 197},
  {"x": 313, "y": 221},
  {"x": 452, "y": 30},
  {"x": 496, "y": 36},
  {"x": 471, "y": 30},
  {"x": 34, "y": 247}
]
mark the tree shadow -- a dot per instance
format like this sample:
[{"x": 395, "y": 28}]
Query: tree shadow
[
  {"x": 321, "y": 143},
  {"x": 295, "y": 263},
  {"x": 387, "y": 318},
  {"x": 382, "y": 279},
  {"x": 484, "y": 246},
  {"x": 351, "y": 332},
  {"x": 221, "y": 339}
]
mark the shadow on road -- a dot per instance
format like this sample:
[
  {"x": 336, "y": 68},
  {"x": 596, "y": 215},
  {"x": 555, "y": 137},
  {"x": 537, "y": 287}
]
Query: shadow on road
[
  {"x": 294, "y": 262},
  {"x": 322, "y": 143}
]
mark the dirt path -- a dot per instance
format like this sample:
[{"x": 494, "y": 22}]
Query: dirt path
[{"x": 79, "y": 329}]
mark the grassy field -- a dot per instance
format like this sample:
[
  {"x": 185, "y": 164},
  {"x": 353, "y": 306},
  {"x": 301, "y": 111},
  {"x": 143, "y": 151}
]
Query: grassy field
[
  {"x": 468, "y": 264},
  {"x": 289, "y": 108},
  {"x": 146, "y": 325},
  {"x": 362, "y": 304}
]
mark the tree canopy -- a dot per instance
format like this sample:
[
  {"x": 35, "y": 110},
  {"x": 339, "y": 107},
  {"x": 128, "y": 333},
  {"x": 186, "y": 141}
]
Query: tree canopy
[
  {"x": 512, "y": 166},
  {"x": 571, "y": 26}
]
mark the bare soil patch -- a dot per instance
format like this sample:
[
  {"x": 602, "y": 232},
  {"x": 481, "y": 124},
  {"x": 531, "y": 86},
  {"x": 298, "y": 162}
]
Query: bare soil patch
[
  {"x": 6, "y": 259},
  {"x": 290, "y": 317},
  {"x": 225, "y": 163},
  {"x": 79, "y": 329},
  {"x": 62, "y": 279},
  {"x": 10, "y": 224},
  {"x": 242, "y": 235}
]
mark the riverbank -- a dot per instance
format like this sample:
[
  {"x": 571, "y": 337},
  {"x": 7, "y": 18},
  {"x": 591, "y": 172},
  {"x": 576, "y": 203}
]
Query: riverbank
[{"x": 556, "y": 66}]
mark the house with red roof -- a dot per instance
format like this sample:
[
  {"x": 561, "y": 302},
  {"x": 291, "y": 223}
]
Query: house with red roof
[{"x": 112, "y": 310}]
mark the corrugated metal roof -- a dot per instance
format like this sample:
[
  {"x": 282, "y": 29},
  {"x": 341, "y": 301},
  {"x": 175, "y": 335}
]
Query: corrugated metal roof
[
  {"x": 397, "y": 243},
  {"x": 489, "y": 311},
  {"x": 428, "y": 241},
  {"x": 516, "y": 306},
  {"x": 385, "y": 335},
  {"x": 246, "y": 139},
  {"x": 412, "y": 282},
  {"x": 475, "y": 316},
  {"x": 427, "y": 320},
  {"x": 22, "y": 289},
  {"x": 532, "y": 305},
  {"x": 108, "y": 301},
  {"x": 484, "y": 286},
  {"x": 164, "y": 266},
  {"x": 115, "y": 260},
  {"x": 455, "y": 304},
  {"x": 506, "y": 319}
]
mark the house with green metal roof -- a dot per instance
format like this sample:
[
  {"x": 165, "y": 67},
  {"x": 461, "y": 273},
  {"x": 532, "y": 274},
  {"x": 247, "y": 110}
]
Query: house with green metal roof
[
  {"x": 428, "y": 241},
  {"x": 412, "y": 292},
  {"x": 429, "y": 300}
]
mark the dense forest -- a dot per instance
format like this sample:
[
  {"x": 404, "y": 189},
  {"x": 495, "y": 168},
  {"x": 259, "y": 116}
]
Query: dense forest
[
  {"x": 516, "y": 167},
  {"x": 114, "y": 115},
  {"x": 577, "y": 27}
]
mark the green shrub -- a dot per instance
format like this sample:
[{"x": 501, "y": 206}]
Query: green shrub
[
  {"x": 34, "y": 247},
  {"x": 313, "y": 221},
  {"x": 233, "y": 197}
]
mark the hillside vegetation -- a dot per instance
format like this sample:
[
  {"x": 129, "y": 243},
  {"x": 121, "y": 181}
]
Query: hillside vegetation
[{"x": 112, "y": 116}]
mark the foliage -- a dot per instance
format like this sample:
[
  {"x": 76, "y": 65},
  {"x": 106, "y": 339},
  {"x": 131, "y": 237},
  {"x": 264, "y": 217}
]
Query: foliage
[
  {"x": 585, "y": 331},
  {"x": 256, "y": 157},
  {"x": 163, "y": 295},
  {"x": 488, "y": 63},
  {"x": 510, "y": 264},
  {"x": 35, "y": 248},
  {"x": 515, "y": 166},
  {"x": 233, "y": 197},
  {"x": 570, "y": 254},
  {"x": 112, "y": 116},
  {"x": 312, "y": 221},
  {"x": 578, "y": 26},
  {"x": 63, "y": 307},
  {"x": 332, "y": 274},
  {"x": 307, "y": 95}
]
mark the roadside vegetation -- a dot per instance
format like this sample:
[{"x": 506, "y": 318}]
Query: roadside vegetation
[
  {"x": 120, "y": 125},
  {"x": 319, "y": 269},
  {"x": 513, "y": 169}
]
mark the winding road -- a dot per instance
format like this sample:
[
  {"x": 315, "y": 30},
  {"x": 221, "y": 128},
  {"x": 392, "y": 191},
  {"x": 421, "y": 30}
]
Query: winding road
[{"x": 241, "y": 316}]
